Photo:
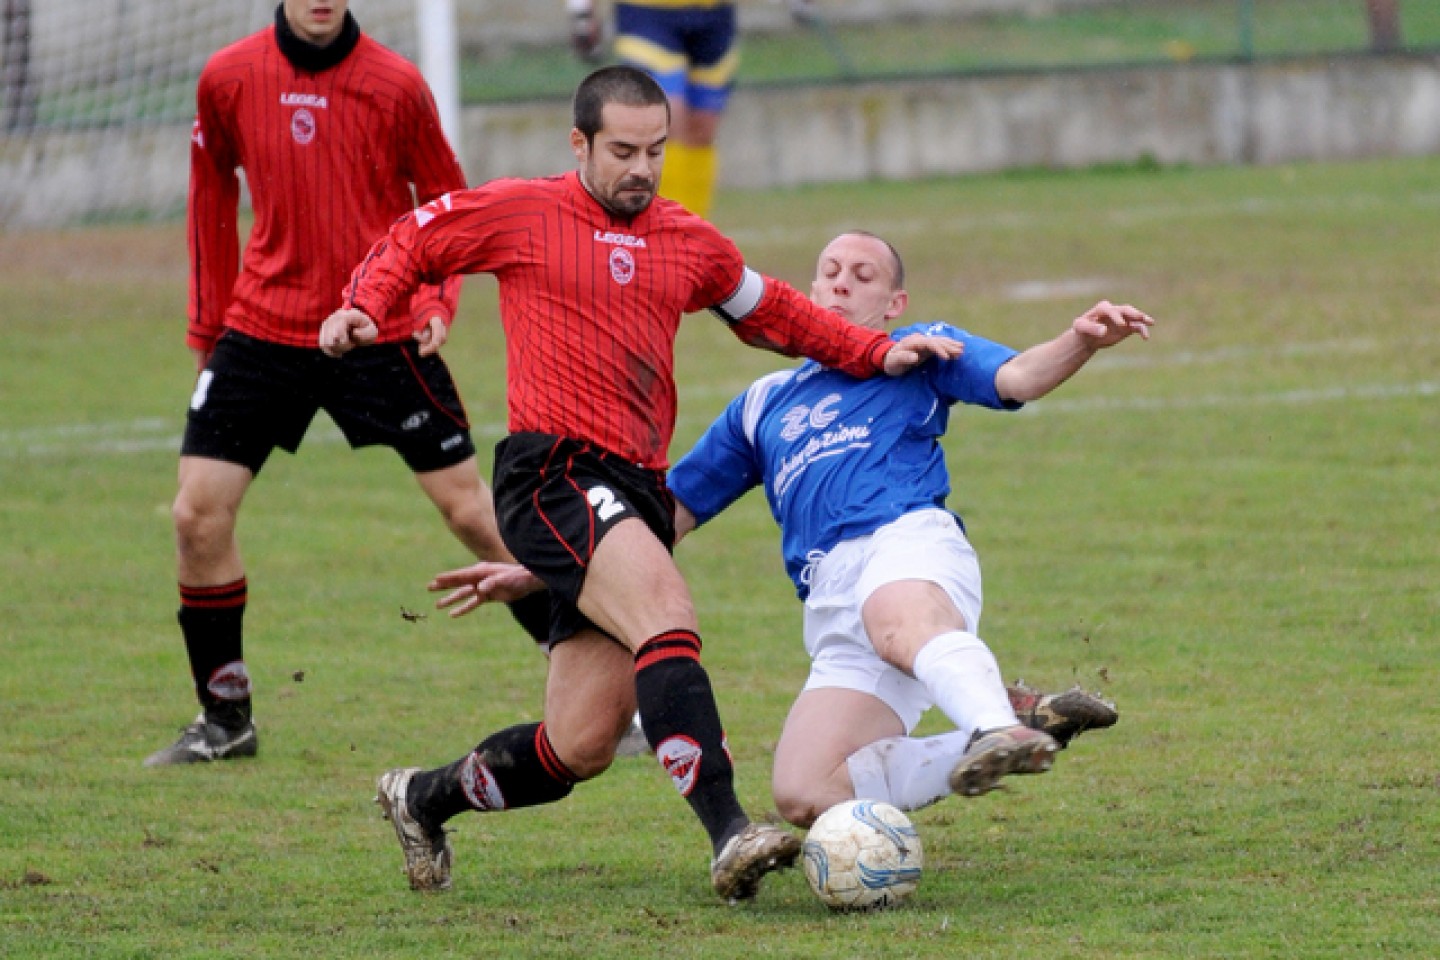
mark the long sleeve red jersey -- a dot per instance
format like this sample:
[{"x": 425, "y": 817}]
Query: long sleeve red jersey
[
  {"x": 591, "y": 303},
  {"x": 329, "y": 157}
]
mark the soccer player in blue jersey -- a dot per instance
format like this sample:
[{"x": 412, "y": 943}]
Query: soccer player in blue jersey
[{"x": 856, "y": 479}]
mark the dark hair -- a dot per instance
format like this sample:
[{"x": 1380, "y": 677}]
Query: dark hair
[
  {"x": 899, "y": 265},
  {"x": 615, "y": 84}
]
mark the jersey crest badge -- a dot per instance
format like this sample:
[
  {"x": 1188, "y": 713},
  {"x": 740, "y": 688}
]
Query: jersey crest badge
[
  {"x": 302, "y": 126},
  {"x": 622, "y": 265}
]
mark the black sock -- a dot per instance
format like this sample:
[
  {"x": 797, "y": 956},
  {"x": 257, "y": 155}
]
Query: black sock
[
  {"x": 516, "y": 767},
  {"x": 682, "y": 724},
  {"x": 211, "y": 619}
]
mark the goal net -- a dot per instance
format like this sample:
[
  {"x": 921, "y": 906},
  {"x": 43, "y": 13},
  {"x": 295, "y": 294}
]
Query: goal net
[{"x": 97, "y": 96}]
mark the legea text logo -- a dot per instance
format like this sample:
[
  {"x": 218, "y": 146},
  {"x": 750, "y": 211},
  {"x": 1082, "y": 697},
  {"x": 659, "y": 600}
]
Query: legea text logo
[
  {"x": 304, "y": 100},
  {"x": 619, "y": 239}
]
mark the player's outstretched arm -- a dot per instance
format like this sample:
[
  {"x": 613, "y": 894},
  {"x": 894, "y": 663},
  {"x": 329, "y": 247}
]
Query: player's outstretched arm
[
  {"x": 1045, "y": 366},
  {"x": 346, "y": 329},
  {"x": 911, "y": 351},
  {"x": 488, "y": 581}
]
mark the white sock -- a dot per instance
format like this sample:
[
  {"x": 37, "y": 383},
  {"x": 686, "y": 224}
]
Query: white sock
[
  {"x": 907, "y": 772},
  {"x": 962, "y": 677}
]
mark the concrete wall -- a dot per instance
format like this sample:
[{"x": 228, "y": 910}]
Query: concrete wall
[
  {"x": 1200, "y": 114},
  {"x": 1296, "y": 110}
]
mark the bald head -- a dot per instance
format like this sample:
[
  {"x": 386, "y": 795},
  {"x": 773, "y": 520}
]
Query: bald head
[{"x": 861, "y": 277}]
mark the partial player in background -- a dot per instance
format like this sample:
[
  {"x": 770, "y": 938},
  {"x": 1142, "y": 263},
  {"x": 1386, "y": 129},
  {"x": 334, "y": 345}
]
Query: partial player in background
[
  {"x": 692, "y": 51},
  {"x": 332, "y": 130},
  {"x": 595, "y": 274},
  {"x": 856, "y": 478}
]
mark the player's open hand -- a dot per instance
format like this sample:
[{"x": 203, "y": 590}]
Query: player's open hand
[
  {"x": 1106, "y": 324},
  {"x": 346, "y": 329},
  {"x": 432, "y": 336},
  {"x": 488, "y": 581},
  {"x": 911, "y": 351}
]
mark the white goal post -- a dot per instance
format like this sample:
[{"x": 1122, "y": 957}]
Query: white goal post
[
  {"x": 438, "y": 40},
  {"x": 97, "y": 96}
]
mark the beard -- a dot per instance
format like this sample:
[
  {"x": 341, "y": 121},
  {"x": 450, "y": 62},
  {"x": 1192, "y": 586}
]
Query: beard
[{"x": 630, "y": 198}]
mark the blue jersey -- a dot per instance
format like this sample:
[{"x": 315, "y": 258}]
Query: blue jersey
[{"x": 838, "y": 457}]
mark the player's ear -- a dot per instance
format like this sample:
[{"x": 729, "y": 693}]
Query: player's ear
[
  {"x": 579, "y": 145},
  {"x": 899, "y": 300}
]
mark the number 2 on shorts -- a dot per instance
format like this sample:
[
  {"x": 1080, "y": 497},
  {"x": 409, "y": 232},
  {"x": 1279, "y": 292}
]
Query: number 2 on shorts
[{"x": 603, "y": 499}]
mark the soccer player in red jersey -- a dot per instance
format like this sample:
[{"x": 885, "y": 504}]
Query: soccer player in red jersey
[
  {"x": 332, "y": 130},
  {"x": 594, "y": 275}
]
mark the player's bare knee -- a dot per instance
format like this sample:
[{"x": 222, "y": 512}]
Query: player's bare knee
[
  {"x": 199, "y": 528},
  {"x": 671, "y": 607},
  {"x": 797, "y": 808},
  {"x": 797, "y": 797},
  {"x": 590, "y": 755}
]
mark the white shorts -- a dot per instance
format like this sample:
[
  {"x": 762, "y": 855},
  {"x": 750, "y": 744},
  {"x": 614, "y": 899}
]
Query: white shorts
[{"x": 924, "y": 545}]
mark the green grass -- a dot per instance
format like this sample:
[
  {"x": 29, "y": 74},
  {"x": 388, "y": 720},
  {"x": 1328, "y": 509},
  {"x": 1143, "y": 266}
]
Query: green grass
[{"x": 1234, "y": 530}]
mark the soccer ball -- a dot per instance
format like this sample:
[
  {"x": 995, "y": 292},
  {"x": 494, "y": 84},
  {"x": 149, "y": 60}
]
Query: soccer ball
[{"x": 863, "y": 855}]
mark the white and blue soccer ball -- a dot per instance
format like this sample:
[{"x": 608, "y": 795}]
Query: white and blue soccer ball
[{"x": 863, "y": 855}]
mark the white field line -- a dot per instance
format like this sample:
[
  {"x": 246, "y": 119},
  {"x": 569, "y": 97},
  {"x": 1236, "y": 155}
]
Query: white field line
[
  {"x": 1244, "y": 354},
  {"x": 1292, "y": 398},
  {"x": 1034, "y": 291},
  {"x": 150, "y": 436}
]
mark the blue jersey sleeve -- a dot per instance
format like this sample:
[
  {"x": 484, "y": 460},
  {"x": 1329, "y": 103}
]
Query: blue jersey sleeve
[
  {"x": 969, "y": 378},
  {"x": 720, "y": 468}
]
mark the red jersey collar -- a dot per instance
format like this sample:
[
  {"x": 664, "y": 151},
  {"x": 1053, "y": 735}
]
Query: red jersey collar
[{"x": 577, "y": 185}]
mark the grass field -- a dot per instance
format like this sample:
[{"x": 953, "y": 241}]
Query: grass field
[{"x": 1233, "y": 530}]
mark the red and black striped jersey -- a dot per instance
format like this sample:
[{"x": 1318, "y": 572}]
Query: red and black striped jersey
[
  {"x": 591, "y": 303},
  {"x": 329, "y": 159}
]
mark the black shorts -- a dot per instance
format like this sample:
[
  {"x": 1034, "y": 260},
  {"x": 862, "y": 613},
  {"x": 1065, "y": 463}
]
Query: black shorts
[
  {"x": 254, "y": 396},
  {"x": 557, "y": 498}
]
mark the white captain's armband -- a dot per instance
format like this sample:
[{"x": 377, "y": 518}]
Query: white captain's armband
[{"x": 743, "y": 301}]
